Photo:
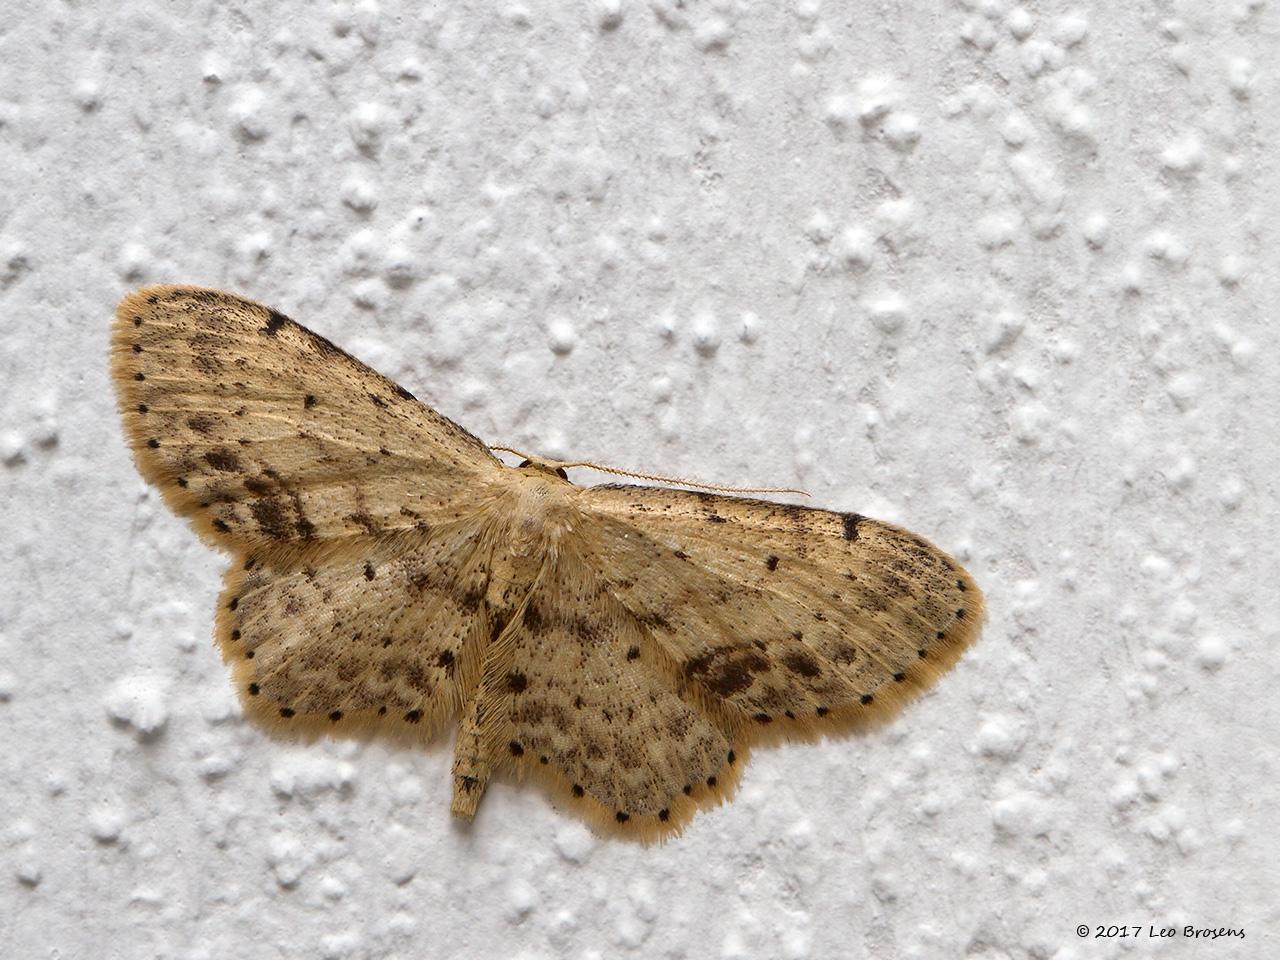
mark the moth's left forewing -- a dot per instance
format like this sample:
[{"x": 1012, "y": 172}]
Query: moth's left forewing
[{"x": 798, "y": 618}]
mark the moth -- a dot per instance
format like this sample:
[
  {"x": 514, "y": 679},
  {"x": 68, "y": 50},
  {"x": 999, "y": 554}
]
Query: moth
[{"x": 623, "y": 645}]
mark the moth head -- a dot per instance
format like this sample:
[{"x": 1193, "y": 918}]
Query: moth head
[{"x": 547, "y": 467}]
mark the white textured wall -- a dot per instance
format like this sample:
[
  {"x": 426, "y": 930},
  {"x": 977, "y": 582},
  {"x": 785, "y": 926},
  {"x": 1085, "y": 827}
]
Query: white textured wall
[{"x": 1005, "y": 274}]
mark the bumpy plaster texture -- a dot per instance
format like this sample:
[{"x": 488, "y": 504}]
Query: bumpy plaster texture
[{"x": 1003, "y": 273}]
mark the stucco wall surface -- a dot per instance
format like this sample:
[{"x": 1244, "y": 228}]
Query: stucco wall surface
[{"x": 1002, "y": 273}]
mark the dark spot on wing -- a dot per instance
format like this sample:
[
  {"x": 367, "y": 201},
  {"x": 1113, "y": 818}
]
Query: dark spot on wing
[
  {"x": 517, "y": 681},
  {"x": 363, "y": 519},
  {"x": 223, "y": 460},
  {"x": 851, "y": 521},
  {"x": 275, "y": 320},
  {"x": 532, "y": 619},
  {"x": 803, "y": 663},
  {"x": 272, "y": 517},
  {"x": 470, "y": 601},
  {"x": 725, "y": 674},
  {"x": 771, "y": 561},
  {"x": 369, "y": 572},
  {"x": 309, "y": 401}
]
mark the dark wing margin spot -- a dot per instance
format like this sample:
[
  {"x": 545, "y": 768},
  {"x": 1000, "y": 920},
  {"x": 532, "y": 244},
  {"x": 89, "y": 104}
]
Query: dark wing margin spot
[
  {"x": 851, "y": 521},
  {"x": 275, "y": 320}
]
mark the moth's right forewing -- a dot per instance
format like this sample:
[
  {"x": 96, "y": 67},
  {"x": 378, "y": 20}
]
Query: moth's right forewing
[{"x": 263, "y": 431}]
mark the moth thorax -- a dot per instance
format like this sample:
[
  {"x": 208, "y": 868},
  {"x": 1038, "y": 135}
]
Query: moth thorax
[{"x": 539, "y": 516}]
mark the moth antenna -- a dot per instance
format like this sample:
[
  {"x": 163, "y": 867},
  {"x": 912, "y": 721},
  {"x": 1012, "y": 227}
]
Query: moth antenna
[
  {"x": 518, "y": 453},
  {"x": 660, "y": 478},
  {"x": 678, "y": 481}
]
